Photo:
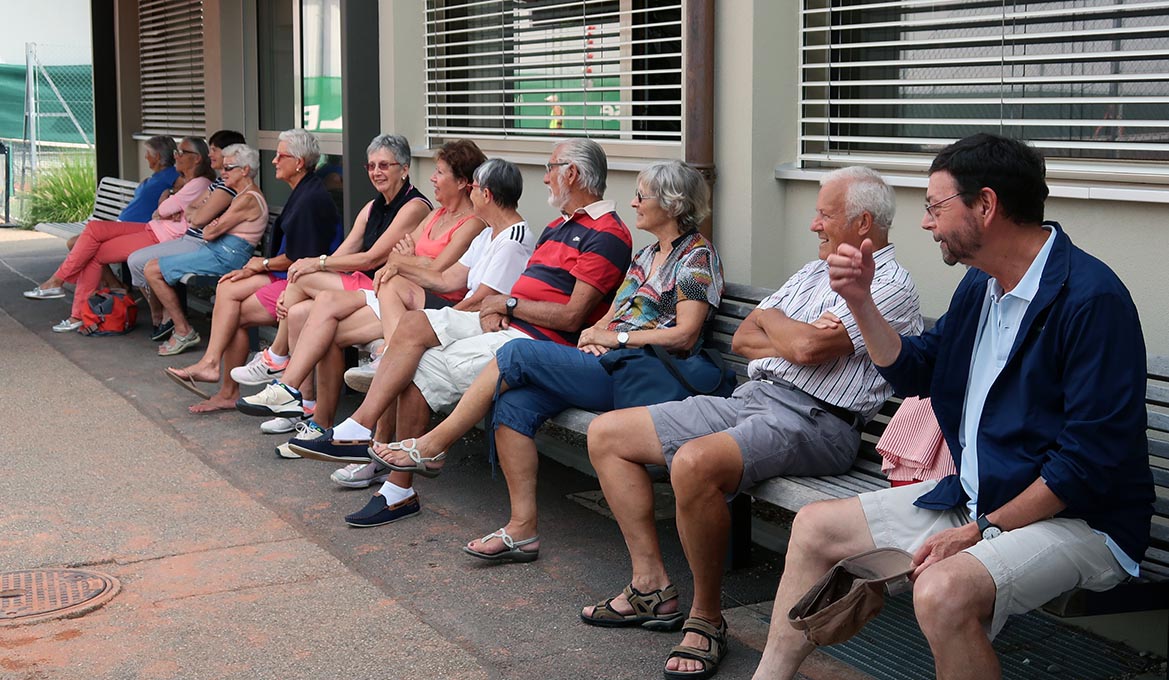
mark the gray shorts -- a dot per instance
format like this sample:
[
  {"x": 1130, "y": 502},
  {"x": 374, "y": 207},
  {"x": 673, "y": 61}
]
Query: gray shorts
[
  {"x": 1030, "y": 565},
  {"x": 780, "y": 430}
]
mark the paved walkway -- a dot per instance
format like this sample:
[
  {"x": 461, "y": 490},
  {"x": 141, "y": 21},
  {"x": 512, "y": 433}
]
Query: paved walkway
[{"x": 235, "y": 563}]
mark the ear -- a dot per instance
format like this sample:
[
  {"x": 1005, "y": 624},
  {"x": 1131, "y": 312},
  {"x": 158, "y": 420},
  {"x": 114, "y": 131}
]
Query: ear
[
  {"x": 864, "y": 224},
  {"x": 986, "y": 204}
]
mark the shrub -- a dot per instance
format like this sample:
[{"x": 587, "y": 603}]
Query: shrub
[{"x": 62, "y": 194}]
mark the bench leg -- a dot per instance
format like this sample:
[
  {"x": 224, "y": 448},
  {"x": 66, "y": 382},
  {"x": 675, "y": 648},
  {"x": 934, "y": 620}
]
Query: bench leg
[{"x": 740, "y": 547}]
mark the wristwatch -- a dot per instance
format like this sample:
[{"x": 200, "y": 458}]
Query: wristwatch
[
  {"x": 622, "y": 338},
  {"x": 510, "y": 304},
  {"x": 988, "y": 529},
  {"x": 265, "y": 263},
  {"x": 323, "y": 256}
]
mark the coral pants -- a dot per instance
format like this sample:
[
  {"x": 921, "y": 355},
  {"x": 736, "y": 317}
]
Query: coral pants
[{"x": 100, "y": 243}]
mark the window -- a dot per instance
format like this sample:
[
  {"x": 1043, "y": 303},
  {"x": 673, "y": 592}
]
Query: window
[
  {"x": 170, "y": 46},
  {"x": 1085, "y": 81},
  {"x": 534, "y": 69}
]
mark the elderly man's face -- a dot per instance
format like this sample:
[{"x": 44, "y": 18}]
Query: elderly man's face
[
  {"x": 554, "y": 177},
  {"x": 831, "y": 222}
]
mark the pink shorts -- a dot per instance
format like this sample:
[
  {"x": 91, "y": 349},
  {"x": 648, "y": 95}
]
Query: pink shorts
[
  {"x": 355, "y": 281},
  {"x": 269, "y": 294}
]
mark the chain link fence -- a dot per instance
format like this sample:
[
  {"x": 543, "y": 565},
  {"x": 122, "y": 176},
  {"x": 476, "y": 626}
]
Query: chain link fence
[{"x": 46, "y": 117}]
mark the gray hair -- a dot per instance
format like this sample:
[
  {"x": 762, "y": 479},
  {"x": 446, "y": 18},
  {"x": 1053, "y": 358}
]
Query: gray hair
[
  {"x": 303, "y": 144},
  {"x": 590, "y": 161},
  {"x": 866, "y": 192},
  {"x": 681, "y": 191},
  {"x": 244, "y": 156},
  {"x": 164, "y": 148},
  {"x": 503, "y": 179},
  {"x": 397, "y": 145}
]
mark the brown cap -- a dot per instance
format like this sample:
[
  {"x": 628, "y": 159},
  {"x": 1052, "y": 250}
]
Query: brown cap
[{"x": 850, "y": 595}]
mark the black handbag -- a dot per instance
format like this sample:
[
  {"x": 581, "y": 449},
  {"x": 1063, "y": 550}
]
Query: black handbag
[{"x": 650, "y": 375}]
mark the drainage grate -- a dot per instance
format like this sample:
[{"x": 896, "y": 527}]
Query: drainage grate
[
  {"x": 891, "y": 647},
  {"x": 39, "y": 595}
]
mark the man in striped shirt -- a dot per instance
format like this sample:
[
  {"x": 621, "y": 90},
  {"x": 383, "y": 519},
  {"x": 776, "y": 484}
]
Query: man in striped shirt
[
  {"x": 811, "y": 389},
  {"x": 434, "y": 355}
]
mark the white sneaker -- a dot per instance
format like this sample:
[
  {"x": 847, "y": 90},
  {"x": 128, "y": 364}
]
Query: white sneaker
[
  {"x": 361, "y": 377},
  {"x": 305, "y": 429},
  {"x": 284, "y": 425},
  {"x": 259, "y": 371},
  {"x": 360, "y": 475},
  {"x": 277, "y": 399}
]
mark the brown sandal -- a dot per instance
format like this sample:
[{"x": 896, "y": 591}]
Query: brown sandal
[
  {"x": 644, "y": 614},
  {"x": 710, "y": 658}
]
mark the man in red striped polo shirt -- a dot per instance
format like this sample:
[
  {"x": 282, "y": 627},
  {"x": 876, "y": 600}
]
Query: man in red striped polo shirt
[{"x": 435, "y": 354}]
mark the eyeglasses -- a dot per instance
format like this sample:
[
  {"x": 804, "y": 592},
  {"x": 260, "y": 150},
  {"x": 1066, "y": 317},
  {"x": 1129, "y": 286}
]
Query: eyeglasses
[
  {"x": 641, "y": 198},
  {"x": 281, "y": 156},
  {"x": 229, "y": 168},
  {"x": 380, "y": 165},
  {"x": 183, "y": 152},
  {"x": 929, "y": 207},
  {"x": 548, "y": 166},
  {"x": 476, "y": 186}
]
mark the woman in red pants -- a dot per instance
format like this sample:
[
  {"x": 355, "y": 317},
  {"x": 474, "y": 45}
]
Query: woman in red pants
[{"x": 105, "y": 242}]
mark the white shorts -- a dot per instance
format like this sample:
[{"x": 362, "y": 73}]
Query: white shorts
[
  {"x": 445, "y": 372},
  {"x": 1030, "y": 565}
]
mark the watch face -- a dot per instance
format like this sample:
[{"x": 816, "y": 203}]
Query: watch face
[{"x": 991, "y": 532}]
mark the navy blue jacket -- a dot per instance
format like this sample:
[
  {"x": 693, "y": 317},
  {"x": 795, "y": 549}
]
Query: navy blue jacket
[
  {"x": 308, "y": 225},
  {"x": 1068, "y": 406}
]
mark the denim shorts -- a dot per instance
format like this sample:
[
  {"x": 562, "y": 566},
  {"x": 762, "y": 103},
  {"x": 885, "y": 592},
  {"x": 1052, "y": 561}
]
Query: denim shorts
[
  {"x": 215, "y": 258},
  {"x": 544, "y": 378}
]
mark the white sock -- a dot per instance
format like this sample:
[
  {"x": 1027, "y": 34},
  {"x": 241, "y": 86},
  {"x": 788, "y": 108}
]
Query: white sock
[
  {"x": 309, "y": 404},
  {"x": 276, "y": 358},
  {"x": 351, "y": 429},
  {"x": 394, "y": 493}
]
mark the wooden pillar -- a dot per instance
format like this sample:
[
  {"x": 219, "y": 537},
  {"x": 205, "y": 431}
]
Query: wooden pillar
[{"x": 698, "y": 110}]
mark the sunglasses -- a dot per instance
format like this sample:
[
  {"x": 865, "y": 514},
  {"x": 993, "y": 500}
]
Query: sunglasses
[
  {"x": 380, "y": 165},
  {"x": 229, "y": 168}
]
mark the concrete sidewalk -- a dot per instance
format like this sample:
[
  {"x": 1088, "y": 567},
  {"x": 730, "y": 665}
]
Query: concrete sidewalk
[{"x": 235, "y": 563}]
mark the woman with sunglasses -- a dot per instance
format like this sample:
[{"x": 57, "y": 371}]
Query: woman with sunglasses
[
  {"x": 104, "y": 242},
  {"x": 225, "y": 243}
]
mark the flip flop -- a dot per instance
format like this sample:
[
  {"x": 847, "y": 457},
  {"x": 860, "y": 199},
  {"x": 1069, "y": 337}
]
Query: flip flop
[
  {"x": 513, "y": 552},
  {"x": 186, "y": 382}
]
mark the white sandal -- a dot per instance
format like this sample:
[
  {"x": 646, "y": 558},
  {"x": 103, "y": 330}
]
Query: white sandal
[{"x": 419, "y": 467}]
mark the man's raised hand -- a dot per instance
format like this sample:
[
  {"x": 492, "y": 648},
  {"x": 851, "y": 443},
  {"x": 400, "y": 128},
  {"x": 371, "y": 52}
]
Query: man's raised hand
[{"x": 850, "y": 271}]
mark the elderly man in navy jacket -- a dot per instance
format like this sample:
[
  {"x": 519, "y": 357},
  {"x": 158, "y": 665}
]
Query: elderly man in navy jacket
[{"x": 1037, "y": 374}]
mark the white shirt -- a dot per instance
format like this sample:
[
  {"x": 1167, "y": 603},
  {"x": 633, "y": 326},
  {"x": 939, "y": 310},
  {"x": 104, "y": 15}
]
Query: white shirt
[
  {"x": 497, "y": 261},
  {"x": 851, "y": 381}
]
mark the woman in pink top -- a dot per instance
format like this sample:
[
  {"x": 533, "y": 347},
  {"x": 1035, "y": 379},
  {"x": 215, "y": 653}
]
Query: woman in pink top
[{"x": 105, "y": 242}]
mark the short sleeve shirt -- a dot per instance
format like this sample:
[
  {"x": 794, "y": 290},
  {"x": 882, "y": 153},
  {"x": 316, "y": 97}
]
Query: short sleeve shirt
[
  {"x": 691, "y": 271},
  {"x": 496, "y": 261},
  {"x": 851, "y": 382}
]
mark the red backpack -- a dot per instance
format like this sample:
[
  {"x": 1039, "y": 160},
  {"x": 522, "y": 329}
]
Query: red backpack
[{"x": 110, "y": 312}]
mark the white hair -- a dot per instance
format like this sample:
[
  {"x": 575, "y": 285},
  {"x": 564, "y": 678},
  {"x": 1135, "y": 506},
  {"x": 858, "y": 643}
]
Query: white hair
[
  {"x": 244, "y": 156},
  {"x": 303, "y": 144},
  {"x": 866, "y": 192}
]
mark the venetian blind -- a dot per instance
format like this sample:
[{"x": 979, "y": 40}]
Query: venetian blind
[
  {"x": 608, "y": 69},
  {"x": 170, "y": 44},
  {"x": 889, "y": 83}
]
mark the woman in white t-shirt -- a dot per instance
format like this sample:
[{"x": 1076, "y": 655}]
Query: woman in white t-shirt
[{"x": 492, "y": 264}]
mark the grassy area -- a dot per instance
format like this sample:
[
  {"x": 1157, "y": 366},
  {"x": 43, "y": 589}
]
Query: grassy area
[{"x": 60, "y": 194}]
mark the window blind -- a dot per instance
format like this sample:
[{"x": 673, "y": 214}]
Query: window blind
[
  {"x": 507, "y": 69},
  {"x": 888, "y": 83},
  {"x": 170, "y": 45}
]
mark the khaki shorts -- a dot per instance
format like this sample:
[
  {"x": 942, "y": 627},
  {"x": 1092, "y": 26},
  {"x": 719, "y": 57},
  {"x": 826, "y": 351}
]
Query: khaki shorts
[
  {"x": 445, "y": 372},
  {"x": 1030, "y": 565}
]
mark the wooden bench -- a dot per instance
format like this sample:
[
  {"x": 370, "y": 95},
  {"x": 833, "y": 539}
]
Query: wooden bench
[
  {"x": 1150, "y": 592},
  {"x": 112, "y": 196}
]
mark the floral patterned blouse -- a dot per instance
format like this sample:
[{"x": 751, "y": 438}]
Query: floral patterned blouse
[{"x": 692, "y": 271}]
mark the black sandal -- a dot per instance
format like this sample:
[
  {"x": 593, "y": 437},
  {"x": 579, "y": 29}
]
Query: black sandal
[
  {"x": 710, "y": 658},
  {"x": 644, "y": 614}
]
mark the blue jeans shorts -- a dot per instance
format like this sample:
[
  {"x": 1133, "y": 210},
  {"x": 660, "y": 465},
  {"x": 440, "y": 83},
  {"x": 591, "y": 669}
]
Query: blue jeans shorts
[{"x": 215, "y": 258}]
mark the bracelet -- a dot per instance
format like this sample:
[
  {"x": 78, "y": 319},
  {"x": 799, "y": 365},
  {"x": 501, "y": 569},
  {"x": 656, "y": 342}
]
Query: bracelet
[{"x": 323, "y": 262}]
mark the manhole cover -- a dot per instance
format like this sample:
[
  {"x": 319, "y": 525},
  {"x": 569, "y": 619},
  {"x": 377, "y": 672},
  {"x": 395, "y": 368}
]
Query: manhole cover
[{"x": 42, "y": 594}]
